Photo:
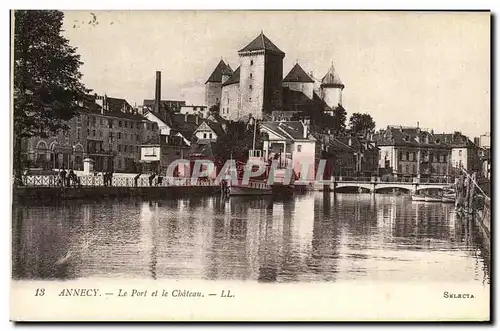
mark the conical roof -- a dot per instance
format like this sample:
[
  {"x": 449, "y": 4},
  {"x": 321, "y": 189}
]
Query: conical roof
[
  {"x": 227, "y": 70},
  {"x": 332, "y": 79},
  {"x": 216, "y": 76},
  {"x": 261, "y": 43},
  {"x": 297, "y": 74}
]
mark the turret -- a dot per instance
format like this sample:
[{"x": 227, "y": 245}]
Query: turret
[{"x": 331, "y": 88}]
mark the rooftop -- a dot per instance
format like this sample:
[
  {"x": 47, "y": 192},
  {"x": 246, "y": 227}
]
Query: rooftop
[
  {"x": 221, "y": 69},
  {"x": 332, "y": 79},
  {"x": 235, "y": 78},
  {"x": 297, "y": 74},
  {"x": 261, "y": 43}
]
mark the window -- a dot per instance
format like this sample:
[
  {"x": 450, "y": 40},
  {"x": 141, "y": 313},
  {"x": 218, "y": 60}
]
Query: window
[
  {"x": 102, "y": 121},
  {"x": 210, "y": 135},
  {"x": 120, "y": 124},
  {"x": 299, "y": 148},
  {"x": 250, "y": 99},
  {"x": 250, "y": 75},
  {"x": 126, "y": 124},
  {"x": 400, "y": 155},
  {"x": 251, "y": 62},
  {"x": 119, "y": 135},
  {"x": 110, "y": 137},
  {"x": 204, "y": 136},
  {"x": 459, "y": 153},
  {"x": 411, "y": 156},
  {"x": 93, "y": 133},
  {"x": 137, "y": 137},
  {"x": 78, "y": 133},
  {"x": 110, "y": 147},
  {"x": 250, "y": 86},
  {"x": 119, "y": 148},
  {"x": 445, "y": 157},
  {"x": 88, "y": 132},
  {"x": 110, "y": 124},
  {"x": 407, "y": 155}
]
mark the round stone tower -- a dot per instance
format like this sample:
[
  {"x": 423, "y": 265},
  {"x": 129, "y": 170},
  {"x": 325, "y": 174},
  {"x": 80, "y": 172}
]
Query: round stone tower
[{"x": 331, "y": 88}]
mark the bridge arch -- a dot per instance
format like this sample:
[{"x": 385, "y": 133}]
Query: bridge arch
[
  {"x": 407, "y": 188},
  {"x": 430, "y": 187},
  {"x": 368, "y": 187}
]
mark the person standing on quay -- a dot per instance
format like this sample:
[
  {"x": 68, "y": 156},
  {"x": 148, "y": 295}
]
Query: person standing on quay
[
  {"x": 70, "y": 177},
  {"x": 151, "y": 177},
  {"x": 62, "y": 174}
]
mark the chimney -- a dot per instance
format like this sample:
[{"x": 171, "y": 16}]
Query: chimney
[
  {"x": 157, "y": 92},
  {"x": 305, "y": 127},
  {"x": 185, "y": 117},
  {"x": 418, "y": 124}
]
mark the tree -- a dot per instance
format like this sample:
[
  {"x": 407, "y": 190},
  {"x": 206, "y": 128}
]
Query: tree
[
  {"x": 47, "y": 86},
  {"x": 236, "y": 142},
  {"x": 339, "y": 119},
  {"x": 361, "y": 124},
  {"x": 214, "y": 109}
]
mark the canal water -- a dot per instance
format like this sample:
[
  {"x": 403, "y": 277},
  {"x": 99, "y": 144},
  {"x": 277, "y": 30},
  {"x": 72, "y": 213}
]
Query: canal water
[{"x": 311, "y": 237}]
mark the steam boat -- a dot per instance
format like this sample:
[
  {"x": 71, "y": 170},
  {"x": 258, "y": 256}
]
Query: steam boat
[{"x": 260, "y": 185}]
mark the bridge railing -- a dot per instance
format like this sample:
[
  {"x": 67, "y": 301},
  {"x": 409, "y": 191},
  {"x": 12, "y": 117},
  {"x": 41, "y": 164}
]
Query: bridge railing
[
  {"x": 414, "y": 180},
  {"x": 117, "y": 181}
]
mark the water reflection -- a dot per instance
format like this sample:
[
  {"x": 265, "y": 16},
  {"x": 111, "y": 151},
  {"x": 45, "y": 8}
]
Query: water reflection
[{"x": 313, "y": 237}]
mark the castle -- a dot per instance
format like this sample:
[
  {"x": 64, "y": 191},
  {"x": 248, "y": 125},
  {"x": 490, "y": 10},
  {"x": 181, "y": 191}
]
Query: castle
[{"x": 257, "y": 87}]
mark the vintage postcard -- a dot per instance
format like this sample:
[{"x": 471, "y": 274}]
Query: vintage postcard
[{"x": 250, "y": 166}]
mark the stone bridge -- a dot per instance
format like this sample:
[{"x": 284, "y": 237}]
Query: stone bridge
[{"x": 374, "y": 184}]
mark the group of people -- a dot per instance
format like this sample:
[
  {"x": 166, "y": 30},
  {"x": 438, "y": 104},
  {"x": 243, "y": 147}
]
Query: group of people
[{"x": 67, "y": 178}]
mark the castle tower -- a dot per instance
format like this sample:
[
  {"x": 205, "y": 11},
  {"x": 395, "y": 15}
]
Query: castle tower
[
  {"x": 331, "y": 88},
  {"x": 261, "y": 72},
  {"x": 214, "y": 83},
  {"x": 298, "y": 80}
]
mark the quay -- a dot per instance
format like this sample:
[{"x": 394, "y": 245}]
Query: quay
[
  {"x": 91, "y": 186},
  {"x": 47, "y": 187},
  {"x": 26, "y": 193}
]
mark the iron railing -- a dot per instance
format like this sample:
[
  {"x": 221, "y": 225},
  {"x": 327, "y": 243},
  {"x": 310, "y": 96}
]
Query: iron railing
[
  {"x": 117, "y": 181},
  {"x": 431, "y": 180}
]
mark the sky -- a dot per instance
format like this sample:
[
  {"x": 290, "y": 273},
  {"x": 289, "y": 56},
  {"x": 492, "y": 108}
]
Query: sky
[{"x": 399, "y": 67}]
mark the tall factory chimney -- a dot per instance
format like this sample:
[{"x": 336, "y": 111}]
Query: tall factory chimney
[{"x": 157, "y": 92}]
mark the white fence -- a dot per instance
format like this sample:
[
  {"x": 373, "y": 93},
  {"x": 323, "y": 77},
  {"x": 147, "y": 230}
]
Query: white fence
[{"x": 116, "y": 181}]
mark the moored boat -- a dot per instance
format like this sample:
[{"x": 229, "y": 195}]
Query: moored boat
[
  {"x": 417, "y": 197},
  {"x": 448, "y": 199},
  {"x": 432, "y": 199},
  {"x": 252, "y": 188}
]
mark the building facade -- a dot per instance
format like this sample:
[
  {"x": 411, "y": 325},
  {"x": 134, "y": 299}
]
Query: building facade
[
  {"x": 291, "y": 144},
  {"x": 413, "y": 152},
  {"x": 464, "y": 153},
  {"x": 106, "y": 130},
  {"x": 213, "y": 85},
  {"x": 201, "y": 111}
]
